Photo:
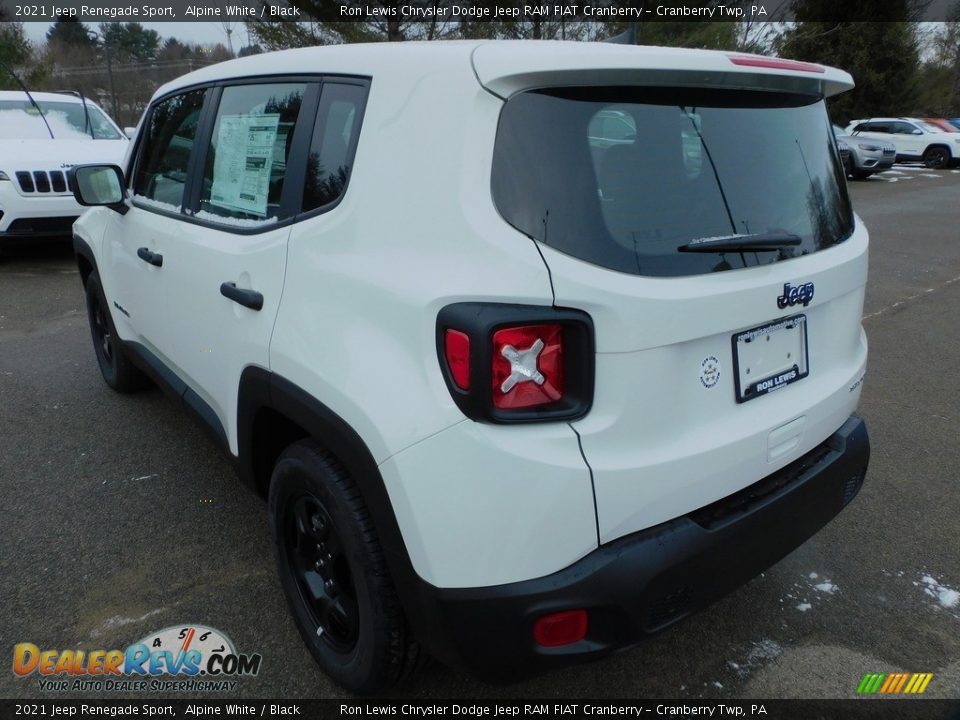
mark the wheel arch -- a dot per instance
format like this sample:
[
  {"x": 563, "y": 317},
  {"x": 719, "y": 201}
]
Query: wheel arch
[
  {"x": 86, "y": 262},
  {"x": 273, "y": 413},
  {"x": 938, "y": 145}
]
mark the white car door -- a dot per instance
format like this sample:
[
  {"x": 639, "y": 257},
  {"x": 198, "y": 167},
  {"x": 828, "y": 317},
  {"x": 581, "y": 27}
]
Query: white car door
[
  {"x": 136, "y": 242},
  {"x": 912, "y": 142},
  {"x": 226, "y": 265}
]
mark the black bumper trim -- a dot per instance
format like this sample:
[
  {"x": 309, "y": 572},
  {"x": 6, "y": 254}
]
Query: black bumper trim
[{"x": 640, "y": 584}]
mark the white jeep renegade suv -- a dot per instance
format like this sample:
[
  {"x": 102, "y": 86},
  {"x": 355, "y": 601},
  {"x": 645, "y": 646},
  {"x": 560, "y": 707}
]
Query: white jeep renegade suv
[
  {"x": 518, "y": 395},
  {"x": 38, "y": 150}
]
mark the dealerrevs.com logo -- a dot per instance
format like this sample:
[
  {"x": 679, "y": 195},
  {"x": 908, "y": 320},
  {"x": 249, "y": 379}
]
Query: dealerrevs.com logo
[{"x": 180, "y": 658}]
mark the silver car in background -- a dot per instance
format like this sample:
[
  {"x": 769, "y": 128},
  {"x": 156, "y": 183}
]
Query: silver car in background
[{"x": 867, "y": 155}]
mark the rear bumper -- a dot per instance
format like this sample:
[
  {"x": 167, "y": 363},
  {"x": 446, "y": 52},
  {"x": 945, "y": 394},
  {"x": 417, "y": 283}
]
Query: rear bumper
[{"x": 644, "y": 582}]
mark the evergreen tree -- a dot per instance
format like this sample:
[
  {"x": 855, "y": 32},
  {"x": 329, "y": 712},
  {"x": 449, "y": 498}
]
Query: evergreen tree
[
  {"x": 68, "y": 31},
  {"x": 882, "y": 55},
  {"x": 131, "y": 42}
]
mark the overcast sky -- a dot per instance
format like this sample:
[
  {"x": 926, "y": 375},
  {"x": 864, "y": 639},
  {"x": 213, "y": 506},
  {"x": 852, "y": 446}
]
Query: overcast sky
[{"x": 198, "y": 32}]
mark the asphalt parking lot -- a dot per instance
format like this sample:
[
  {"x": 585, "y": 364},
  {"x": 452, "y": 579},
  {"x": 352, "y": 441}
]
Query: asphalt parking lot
[{"x": 119, "y": 517}]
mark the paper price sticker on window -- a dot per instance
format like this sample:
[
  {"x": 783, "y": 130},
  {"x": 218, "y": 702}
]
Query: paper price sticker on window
[{"x": 243, "y": 162}]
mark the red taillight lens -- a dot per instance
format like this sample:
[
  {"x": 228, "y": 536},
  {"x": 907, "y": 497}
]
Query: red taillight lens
[
  {"x": 527, "y": 366},
  {"x": 456, "y": 348},
  {"x": 562, "y": 628}
]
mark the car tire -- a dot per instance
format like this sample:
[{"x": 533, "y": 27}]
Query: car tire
[
  {"x": 861, "y": 174},
  {"x": 117, "y": 370},
  {"x": 936, "y": 158},
  {"x": 334, "y": 574}
]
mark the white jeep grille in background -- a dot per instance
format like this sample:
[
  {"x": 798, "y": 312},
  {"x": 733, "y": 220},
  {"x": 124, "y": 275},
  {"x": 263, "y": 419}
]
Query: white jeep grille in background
[{"x": 41, "y": 181}]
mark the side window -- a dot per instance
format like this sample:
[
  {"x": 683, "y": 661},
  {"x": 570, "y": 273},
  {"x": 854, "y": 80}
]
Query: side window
[
  {"x": 247, "y": 159},
  {"x": 161, "y": 173},
  {"x": 334, "y": 137}
]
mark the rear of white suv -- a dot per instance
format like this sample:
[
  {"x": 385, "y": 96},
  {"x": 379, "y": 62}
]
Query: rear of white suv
[{"x": 519, "y": 392}]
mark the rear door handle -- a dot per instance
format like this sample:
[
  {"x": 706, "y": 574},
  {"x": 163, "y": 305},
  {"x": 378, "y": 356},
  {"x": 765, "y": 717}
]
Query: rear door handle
[
  {"x": 150, "y": 257},
  {"x": 248, "y": 298}
]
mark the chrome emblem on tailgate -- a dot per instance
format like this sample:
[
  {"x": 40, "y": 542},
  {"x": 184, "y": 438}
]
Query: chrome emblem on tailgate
[{"x": 793, "y": 295}]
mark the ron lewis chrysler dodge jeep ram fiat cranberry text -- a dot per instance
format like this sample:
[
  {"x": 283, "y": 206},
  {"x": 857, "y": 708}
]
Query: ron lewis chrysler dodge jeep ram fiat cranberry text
[{"x": 534, "y": 348}]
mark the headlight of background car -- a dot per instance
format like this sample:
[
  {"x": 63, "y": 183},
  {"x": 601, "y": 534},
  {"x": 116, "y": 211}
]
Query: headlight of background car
[{"x": 869, "y": 148}]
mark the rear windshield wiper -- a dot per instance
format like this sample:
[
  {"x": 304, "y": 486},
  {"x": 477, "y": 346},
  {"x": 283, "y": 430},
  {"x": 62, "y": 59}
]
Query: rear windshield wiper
[{"x": 742, "y": 243}]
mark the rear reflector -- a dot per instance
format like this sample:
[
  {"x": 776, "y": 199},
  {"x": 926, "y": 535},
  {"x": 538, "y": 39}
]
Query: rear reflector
[
  {"x": 456, "y": 348},
  {"x": 527, "y": 366},
  {"x": 562, "y": 628},
  {"x": 775, "y": 63}
]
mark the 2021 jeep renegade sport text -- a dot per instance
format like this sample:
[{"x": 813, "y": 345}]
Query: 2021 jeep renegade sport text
[{"x": 534, "y": 348}]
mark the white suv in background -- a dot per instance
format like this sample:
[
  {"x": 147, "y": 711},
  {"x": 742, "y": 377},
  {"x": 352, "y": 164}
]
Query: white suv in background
[
  {"x": 42, "y": 136},
  {"x": 520, "y": 391},
  {"x": 914, "y": 139}
]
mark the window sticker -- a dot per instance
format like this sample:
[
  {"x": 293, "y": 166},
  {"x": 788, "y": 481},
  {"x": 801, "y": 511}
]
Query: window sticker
[{"x": 244, "y": 159}]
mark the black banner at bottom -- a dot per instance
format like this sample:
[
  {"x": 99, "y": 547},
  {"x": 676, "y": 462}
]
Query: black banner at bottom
[{"x": 908, "y": 709}]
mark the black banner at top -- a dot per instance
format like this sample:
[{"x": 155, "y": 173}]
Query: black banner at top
[{"x": 776, "y": 11}]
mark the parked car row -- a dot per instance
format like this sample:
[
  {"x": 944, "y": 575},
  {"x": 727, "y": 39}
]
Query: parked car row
[
  {"x": 935, "y": 142},
  {"x": 862, "y": 157}
]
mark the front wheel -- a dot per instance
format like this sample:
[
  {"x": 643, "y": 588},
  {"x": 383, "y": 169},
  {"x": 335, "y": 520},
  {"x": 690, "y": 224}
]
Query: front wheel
[
  {"x": 333, "y": 572},
  {"x": 117, "y": 370},
  {"x": 936, "y": 157}
]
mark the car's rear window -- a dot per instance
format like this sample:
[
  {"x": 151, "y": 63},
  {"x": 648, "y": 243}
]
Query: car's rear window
[{"x": 622, "y": 177}]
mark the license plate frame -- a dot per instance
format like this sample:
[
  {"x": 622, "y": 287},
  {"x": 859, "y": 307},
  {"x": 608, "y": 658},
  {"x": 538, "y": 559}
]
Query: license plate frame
[{"x": 776, "y": 366}]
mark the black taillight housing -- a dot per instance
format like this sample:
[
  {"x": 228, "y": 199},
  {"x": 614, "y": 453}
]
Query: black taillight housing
[{"x": 507, "y": 363}]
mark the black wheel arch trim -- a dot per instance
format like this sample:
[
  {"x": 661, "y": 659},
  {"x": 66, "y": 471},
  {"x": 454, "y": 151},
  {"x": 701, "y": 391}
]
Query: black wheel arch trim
[
  {"x": 261, "y": 389},
  {"x": 82, "y": 249}
]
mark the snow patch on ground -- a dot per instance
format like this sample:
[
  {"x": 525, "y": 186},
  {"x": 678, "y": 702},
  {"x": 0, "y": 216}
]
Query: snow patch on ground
[
  {"x": 764, "y": 650},
  {"x": 947, "y": 597},
  {"x": 801, "y": 590}
]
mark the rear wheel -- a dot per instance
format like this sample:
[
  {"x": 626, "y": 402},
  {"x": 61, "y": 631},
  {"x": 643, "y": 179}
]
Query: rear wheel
[
  {"x": 117, "y": 370},
  {"x": 936, "y": 157},
  {"x": 334, "y": 574}
]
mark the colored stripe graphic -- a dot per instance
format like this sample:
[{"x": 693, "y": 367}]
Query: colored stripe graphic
[{"x": 894, "y": 683}]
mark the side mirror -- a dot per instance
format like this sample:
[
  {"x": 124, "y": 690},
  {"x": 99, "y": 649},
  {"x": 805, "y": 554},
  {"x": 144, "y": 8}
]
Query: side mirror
[
  {"x": 130, "y": 132},
  {"x": 99, "y": 185},
  {"x": 916, "y": 131}
]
